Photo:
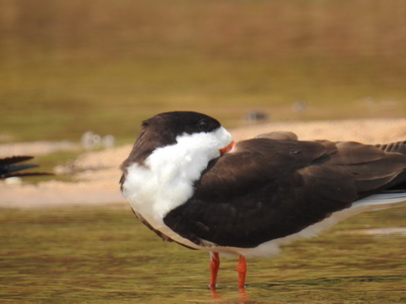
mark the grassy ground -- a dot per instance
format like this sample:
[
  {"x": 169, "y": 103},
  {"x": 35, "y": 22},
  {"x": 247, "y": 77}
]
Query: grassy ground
[
  {"x": 103, "y": 255},
  {"x": 70, "y": 66}
]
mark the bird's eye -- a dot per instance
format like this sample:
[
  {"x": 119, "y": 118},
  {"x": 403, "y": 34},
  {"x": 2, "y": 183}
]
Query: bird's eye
[{"x": 203, "y": 125}]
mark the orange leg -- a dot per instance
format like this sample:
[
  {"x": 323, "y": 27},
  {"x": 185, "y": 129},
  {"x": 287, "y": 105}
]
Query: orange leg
[
  {"x": 214, "y": 268},
  {"x": 242, "y": 271}
]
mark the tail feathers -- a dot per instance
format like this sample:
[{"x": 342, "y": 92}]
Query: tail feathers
[{"x": 399, "y": 147}]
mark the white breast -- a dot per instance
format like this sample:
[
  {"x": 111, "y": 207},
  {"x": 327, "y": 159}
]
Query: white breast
[{"x": 166, "y": 179}]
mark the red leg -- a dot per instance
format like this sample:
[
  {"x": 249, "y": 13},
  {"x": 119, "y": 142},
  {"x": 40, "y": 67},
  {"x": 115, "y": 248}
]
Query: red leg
[
  {"x": 242, "y": 271},
  {"x": 214, "y": 268}
]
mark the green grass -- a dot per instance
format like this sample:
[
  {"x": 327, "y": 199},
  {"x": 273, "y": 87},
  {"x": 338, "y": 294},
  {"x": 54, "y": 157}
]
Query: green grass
[
  {"x": 71, "y": 66},
  {"x": 104, "y": 255}
]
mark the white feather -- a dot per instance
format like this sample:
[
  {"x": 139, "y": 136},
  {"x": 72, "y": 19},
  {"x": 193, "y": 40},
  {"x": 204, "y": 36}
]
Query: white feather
[{"x": 166, "y": 179}]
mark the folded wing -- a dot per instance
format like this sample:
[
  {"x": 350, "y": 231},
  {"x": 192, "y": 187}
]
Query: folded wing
[{"x": 282, "y": 186}]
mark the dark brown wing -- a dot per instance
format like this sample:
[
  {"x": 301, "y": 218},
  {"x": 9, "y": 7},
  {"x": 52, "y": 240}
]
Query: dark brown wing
[
  {"x": 157, "y": 232},
  {"x": 267, "y": 189},
  {"x": 396, "y": 147}
]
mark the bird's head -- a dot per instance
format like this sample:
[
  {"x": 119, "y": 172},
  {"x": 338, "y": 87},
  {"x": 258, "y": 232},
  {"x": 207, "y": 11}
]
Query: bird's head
[{"x": 186, "y": 133}]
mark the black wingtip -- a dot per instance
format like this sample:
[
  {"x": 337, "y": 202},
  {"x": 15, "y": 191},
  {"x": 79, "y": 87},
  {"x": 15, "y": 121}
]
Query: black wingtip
[
  {"x": 10, "y": 167},
  {"x": 14, "y": 159}
]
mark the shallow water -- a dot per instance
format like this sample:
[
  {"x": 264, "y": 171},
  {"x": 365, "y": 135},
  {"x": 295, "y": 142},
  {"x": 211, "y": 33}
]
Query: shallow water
[{"x": 103, "y": 255}]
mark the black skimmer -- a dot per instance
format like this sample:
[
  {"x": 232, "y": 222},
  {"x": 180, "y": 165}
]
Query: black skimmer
[
  {"x": 12, "y": 167},
  {"x": 188, "y": 181}
]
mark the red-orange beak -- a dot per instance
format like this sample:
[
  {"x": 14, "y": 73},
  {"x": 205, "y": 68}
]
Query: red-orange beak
[{"x": 227, "y": 148}]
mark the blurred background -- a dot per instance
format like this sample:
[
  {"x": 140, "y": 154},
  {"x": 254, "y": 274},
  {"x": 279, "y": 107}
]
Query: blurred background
[
  {"x": 71, "y": 66},
  {"x": 68, "y": 67}
]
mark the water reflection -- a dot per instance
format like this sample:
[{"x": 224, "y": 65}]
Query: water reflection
[
  {"x": 215, "y": 294},
  {"x": 91, "y": 255},
  {"x": 240, "y": 296}
]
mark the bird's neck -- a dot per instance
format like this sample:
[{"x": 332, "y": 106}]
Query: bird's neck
[{"x": 165, "y": 180}]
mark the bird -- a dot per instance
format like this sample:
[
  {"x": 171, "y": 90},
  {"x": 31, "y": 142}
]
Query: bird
[
  {"x": 188, "y": 181},
  {"x": 11, "y": 167}
]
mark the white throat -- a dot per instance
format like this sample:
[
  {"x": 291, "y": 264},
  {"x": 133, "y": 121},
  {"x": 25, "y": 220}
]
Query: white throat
[{"x": 166, "y": 179}]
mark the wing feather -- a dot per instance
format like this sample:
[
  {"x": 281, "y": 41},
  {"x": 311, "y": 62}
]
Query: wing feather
[{"x": 282, "y": 186}]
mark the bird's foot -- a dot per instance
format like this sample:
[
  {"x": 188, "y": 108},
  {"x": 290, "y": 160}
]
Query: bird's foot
[{"x": 213, "y": 286}]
